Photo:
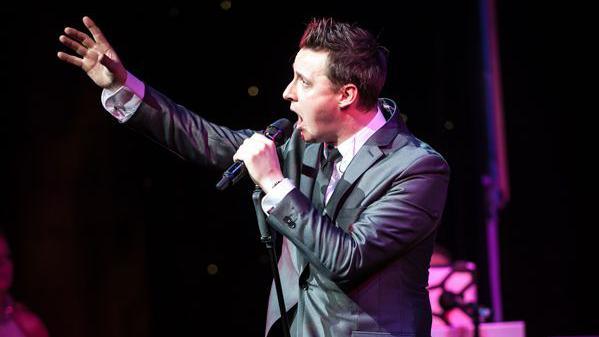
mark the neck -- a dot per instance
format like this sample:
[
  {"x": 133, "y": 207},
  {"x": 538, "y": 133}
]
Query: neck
[{"x": 354, "y": 120}]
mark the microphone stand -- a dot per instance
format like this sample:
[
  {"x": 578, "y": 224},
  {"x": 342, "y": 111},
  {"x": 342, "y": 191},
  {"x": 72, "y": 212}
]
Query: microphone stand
[{"x": 266, "y": 238}]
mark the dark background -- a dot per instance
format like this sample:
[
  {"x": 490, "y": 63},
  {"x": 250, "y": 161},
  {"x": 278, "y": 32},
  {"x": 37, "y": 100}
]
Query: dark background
[{"x": 113, "y": 235}]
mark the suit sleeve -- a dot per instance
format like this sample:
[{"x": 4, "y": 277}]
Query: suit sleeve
[
  {"x": 406, "y": 212},
  {"x": 185, "y": 133}
]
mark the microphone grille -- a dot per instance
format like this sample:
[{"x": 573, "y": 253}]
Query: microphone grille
[{"x": 279, "y": 131}]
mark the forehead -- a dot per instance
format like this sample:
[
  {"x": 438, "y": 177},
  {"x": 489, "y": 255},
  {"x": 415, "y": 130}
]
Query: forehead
[{"x": 309, "y": 62}]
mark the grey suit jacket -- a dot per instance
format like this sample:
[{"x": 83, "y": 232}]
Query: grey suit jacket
[{"x": 359, "y": 269}]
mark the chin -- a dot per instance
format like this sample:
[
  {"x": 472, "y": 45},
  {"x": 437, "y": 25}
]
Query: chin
[{"x": 308, "y": 138}]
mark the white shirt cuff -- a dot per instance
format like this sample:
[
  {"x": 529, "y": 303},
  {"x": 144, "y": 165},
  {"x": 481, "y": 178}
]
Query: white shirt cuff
[
  {"x": 272, "y": 199},
  {"x": 124, "y": 101}
]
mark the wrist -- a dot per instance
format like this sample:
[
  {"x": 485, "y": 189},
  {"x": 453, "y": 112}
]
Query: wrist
[
  {"x": 118, "y": 80},
  {"x": 271, "y": 183}
]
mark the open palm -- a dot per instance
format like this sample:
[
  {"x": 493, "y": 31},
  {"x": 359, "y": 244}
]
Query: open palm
[{"x": 95, "y": 56}]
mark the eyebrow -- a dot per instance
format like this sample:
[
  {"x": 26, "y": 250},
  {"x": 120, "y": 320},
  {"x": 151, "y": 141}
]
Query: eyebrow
[{"x": 300, "y": 75}]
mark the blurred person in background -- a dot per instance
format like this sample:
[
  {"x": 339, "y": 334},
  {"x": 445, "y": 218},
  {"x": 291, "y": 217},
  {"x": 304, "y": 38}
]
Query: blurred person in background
[{"x": 15, "y": 319}]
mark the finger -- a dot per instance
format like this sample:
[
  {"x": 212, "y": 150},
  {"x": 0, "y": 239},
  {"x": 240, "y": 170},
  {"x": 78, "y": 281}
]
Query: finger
[
  {"x": 77, "y": 47},
  {"x": 237, "y": 156},
  {"x": 70, "y": 59},
  {"x": 250, "y": 145},
  {"x": 259, "y": 142},
  {"x": 96, "y": 32},
  {"x": 81, "y": 37},
  {"x": 245, "y": 150},
  {"x": 262, "y": 139}
]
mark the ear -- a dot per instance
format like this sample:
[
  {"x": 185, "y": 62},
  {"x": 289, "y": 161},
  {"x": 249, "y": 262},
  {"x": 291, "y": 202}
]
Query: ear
[{"x": 348, "y": 94}]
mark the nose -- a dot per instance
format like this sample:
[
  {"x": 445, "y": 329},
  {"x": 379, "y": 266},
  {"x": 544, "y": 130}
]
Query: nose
[{"x": 289, "y": 93}]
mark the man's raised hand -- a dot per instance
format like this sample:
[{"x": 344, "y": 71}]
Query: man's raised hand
[{"x": 94, "y": 55}]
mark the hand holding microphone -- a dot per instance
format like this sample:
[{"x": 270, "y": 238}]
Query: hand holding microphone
[{"x": 258, "y": 156}]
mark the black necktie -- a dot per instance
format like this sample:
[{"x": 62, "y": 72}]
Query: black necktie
[{"x": 331, "y": 156}]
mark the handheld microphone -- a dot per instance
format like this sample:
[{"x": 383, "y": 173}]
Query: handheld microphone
[{"x": 278, "y": 132}]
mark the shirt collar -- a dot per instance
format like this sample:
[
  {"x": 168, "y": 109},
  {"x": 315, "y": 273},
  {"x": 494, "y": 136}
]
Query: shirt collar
[{"x": 350, "y": 146}]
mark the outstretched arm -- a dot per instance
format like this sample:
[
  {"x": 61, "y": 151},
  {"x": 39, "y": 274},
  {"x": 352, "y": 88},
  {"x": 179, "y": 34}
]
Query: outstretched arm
[
  {"x": 155, "y": 115},
  {"x": 94, "y": 55}
]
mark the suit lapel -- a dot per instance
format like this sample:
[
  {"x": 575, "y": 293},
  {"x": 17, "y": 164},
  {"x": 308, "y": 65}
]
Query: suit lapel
[
  {"x": 305, "y": 179},
  {"x": 365, "y": 157},
  {"x": 369, "y": 154},
  {"x": 301, "y": 163},
  {"x": 309, "y": 169}
]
